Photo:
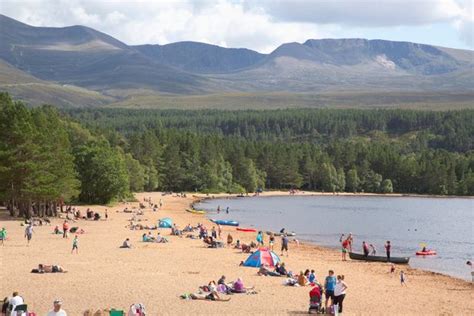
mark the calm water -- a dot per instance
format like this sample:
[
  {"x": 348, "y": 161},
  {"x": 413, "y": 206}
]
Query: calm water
[{"x": 445, "y": 225}]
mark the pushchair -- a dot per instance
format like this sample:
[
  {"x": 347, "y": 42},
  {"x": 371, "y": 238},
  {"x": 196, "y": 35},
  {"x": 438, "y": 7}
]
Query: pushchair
[{"x": 316, "y": 300}]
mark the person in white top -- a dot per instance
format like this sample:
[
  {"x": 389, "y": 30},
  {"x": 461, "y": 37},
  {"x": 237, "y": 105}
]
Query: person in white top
[
  {"x": 14, "y": 301},
  {"x": 57, "y": 310},
  {"x": 340, "y": 291}
]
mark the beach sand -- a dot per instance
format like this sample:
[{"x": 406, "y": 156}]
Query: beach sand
[{"x": 104, "y": 276}]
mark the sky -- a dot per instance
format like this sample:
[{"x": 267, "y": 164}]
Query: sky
[{"x": 261, "y": 25}]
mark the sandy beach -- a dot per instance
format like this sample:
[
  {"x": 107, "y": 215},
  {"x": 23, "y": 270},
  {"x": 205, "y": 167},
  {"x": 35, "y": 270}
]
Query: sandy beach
[{"x": 104, "y": 276}]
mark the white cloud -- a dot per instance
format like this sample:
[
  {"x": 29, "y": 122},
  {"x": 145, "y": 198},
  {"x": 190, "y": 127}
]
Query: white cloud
[
  {"x": 377, "y": 13},
  {"x": 261, "y": 25}
]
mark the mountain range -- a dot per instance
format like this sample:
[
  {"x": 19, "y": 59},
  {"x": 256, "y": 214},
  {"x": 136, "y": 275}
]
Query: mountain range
[{"x": 79, "y": 66}]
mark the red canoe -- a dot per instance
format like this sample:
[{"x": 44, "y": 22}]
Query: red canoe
[
  {"x": 247, "y": 230},
  {"x": 426, "y": 253}
]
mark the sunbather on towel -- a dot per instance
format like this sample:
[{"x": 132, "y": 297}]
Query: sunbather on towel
[
  {"x": 49, "y": 268},
  {"x": 239, "y": 287}
]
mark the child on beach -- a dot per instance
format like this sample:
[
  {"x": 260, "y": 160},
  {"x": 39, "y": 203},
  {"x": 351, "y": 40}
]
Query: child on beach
[
  {"x": 29, "y": 232},
  {"x": 373, "y": 250},
  {"x": 312, "y": 277},
  {"x": 271, "y": 241},
  {"x": 3, "y": 236},
  {"x": 402, "y": 278},
  {"x": 392, "y": 268},
  {"x": 75, "y": 245}
]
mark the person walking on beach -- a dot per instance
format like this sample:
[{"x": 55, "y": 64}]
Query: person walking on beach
[
  {"x": 329, "y": 285},
  {"x": 29, "y": 232},
  {"x": 3, "y": 236},
  {"x": 388, "y": 248},
  {"x": 75, "y": 245},
  {"x": 260, "y": 238},
  {"x": 402, "y": 278},
  {"x": 284, "y": 244},
  {"x": 392, "y": 268},
  {"x": 65, "y": 229},
  {"x": 106, "y": 215},
  {"x": 340, "y": 292}
]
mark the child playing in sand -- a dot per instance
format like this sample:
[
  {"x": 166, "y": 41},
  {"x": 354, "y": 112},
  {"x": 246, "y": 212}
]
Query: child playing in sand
[{"x": 75, "y": 245}]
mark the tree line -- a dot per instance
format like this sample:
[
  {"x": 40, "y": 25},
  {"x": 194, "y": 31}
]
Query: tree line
[{"x": 49, "y": 158}]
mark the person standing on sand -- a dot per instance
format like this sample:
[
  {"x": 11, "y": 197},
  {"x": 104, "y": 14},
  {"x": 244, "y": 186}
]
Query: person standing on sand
[
  {"x": 229, "y": 240},
  {"x": 345, "y": 245},
  {"x": 106, "y": 215},
  {"x": 329, "y": 286},
  {"x": 340, "y": 292},
  {"x": 259, "y": 238},
  {"x": 57, "y": 310},
  {"x": 75, "y": 245},
  {"x": 213, "y": 232},
  {"x": 65, "y": 229},
  {"x": 284, "y": 244},
  {"x": 350, "y": 239},
  {"x": 402, "y": 278},
  {"x": 219, "y": 230},
  {"x": 271, "y": 241},
  {"x": 29, "y": 232},
  {"x": 3, "y": 236},
  {"x": 388, "y": 249}
]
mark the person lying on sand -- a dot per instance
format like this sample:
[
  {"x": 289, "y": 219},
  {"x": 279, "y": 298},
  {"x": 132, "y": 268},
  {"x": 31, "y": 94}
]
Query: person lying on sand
[
  {"x": 265, "y": 270},
  {"x": 239, "y": 287},
  {"x": 49, "y": 268}
]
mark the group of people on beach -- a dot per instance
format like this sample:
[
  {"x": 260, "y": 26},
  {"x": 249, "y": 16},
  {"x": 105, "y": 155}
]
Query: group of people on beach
[
  {"x": 15, "y": 306},
  {"x": 367, "y": 249},
  {"x": 213, "y": 291}
]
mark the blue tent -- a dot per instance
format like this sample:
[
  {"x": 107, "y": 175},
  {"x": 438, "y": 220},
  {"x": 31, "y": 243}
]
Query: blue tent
[
  {"x": 165, "y": 223},
  {"x": 262, "y": 256}
]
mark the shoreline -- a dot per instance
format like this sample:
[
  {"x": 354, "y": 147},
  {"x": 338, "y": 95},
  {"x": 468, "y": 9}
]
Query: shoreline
[
  {"x": 103, "y": 275},
  {"x": 200, "y": 199}
]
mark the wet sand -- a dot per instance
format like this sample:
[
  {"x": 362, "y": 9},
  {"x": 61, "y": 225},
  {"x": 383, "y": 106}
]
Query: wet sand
[{"x": 104, "y": 276}]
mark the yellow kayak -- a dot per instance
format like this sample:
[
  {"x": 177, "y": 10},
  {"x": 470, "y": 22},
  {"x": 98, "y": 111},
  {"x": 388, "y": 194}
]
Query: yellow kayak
[{"x": 195, "y": 211}]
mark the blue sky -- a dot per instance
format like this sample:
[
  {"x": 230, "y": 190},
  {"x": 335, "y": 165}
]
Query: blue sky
[{"x": 261, "y": 25}]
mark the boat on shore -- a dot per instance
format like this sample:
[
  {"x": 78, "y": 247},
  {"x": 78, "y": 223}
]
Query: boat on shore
[
  {"x": 225, "y": 222},
  {"x": 246, "y": 230},
  {"x": 198, "y": 212},
  {"x": 397, "y": 260}
]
